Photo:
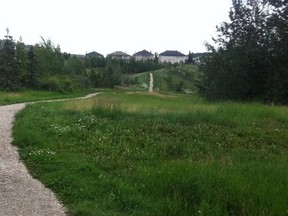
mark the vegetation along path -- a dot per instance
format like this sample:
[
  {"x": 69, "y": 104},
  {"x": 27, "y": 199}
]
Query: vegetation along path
[{"x": 20, "y": 193}]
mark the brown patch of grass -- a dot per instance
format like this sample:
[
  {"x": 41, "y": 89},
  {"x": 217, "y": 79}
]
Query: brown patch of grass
[
  {"x": 14, "y": 95},
  {"x": 79, "y": 105},
  {"x": 89, "y": 104},
  {"x": 158, "y": 94}
]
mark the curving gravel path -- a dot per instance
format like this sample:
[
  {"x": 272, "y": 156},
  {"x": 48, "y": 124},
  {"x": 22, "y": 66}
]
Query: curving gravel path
[{"x": 20, "y": 193}]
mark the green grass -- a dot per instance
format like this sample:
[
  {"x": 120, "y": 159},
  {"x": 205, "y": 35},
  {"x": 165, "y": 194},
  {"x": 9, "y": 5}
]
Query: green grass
[
  {"x": 167, "y": 155},
  {"x": 30, "y": 96},
  {"x": 168, "y": 79}
]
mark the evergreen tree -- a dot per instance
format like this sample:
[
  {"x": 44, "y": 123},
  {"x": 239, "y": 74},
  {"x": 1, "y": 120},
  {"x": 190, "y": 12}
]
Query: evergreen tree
[
  {"x": 249, "y": 63},
  {"x": 32, "y": 78},
  {"x": 190, "y": 58},
  {"x": 156, "y": 58},
  {"x": 21, "y": 58},
  {"x": 277, "y": 45},
  {"x": 9, "y": 74}
]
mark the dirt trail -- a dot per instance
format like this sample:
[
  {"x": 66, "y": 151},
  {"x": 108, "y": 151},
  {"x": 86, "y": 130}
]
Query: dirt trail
[
  {"x": 20, "y": 193},
  {"x": 151, "y": 83}
]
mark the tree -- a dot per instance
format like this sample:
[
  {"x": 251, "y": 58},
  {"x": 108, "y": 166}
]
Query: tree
[
  {"x": 190, "y": 58},
  {"x": 9, "y": 73},
  {"x": 32, "y": 78},
  {"x": 247, "y": 64},
  {"x": 49, "y": 58},
  {"x": 156, "y": 58},
  {"x": 277, "y": 40},
  {"x": 21, "y": 59},
  {"x": 73, "y": 66}
]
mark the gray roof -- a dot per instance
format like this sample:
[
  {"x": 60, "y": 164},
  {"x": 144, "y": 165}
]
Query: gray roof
[
  {"x": 171, "y": 53},
  {"x": 144, "y": 53},
  {"x": 92, "y": 54},
  {"x": 118, "y": 53}
]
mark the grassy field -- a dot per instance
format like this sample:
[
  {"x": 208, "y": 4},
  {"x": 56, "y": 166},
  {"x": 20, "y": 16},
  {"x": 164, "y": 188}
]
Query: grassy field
[
  {"x": 132, "y": 153},
  {"x": 29, "y": 96},
  {"x": 168, "y": 79}
]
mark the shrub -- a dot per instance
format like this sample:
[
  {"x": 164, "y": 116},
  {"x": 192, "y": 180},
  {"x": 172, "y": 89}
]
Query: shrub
[{"x": 59, "y": 83}]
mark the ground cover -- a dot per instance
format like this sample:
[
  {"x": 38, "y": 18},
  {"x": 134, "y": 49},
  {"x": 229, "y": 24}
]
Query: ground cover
[
  {"x": 30, "y": 95},
  {"x": 134, "y": 153}
]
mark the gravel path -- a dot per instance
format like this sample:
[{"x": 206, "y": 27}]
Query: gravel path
[
  {"x": 151, "y": 83},
  {"x": 20, "y": 193}
]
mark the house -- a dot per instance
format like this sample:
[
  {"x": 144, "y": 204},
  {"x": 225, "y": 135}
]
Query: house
[
  {"x": 119, "y": 55},
  {"x": 143, "y": 55},
  {"x": 94, "y": 54},
  {"x": 79, "y": 56},
  {"x": 173, "y": 57},
  {"x": 197, "y": 57}
]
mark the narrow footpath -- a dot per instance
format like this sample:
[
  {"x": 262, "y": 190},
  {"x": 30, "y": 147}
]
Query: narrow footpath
[
  {"x": 20, "y": 193},
  {"x": 151, "y": 83}
]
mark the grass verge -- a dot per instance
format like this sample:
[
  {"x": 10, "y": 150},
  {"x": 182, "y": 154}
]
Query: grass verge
[
  {"x": 30, "y": 96},
  {"x": 168, "y": 155}
]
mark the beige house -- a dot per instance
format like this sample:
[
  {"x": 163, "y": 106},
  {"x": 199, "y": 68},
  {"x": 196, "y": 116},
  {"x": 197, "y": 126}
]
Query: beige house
[
  {"x": 119, "y": 55},
  {"x": 172, "y": 57},
  {"x": 143, "y": 55}
]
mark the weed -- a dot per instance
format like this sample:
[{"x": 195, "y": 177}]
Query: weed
[{"x": 141, "y": 154}]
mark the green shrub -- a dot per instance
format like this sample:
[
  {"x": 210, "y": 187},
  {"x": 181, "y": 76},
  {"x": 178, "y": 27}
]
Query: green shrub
[{"x": 59, "y": 83}]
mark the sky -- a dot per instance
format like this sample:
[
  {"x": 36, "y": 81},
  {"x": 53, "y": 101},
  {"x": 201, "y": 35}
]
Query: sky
[{"x": 105, "y": 26}]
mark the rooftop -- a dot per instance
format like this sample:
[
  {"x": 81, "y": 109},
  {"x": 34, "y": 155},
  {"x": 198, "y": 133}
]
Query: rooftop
[
  {"x": 91, "y": 54},
  {"x": 171, "y": 53},
  {"x": 118, "y": 53},
  {"x": 144, "y": 53}
]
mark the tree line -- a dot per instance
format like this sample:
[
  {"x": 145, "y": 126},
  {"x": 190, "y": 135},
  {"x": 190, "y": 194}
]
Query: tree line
[
  {"x": 249, "y": 60},
  {"x": 44, "y": 67}
]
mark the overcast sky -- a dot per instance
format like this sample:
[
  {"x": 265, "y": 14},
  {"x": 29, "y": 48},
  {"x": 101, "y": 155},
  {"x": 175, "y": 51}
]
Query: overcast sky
[{"x": 105, "y": 26}]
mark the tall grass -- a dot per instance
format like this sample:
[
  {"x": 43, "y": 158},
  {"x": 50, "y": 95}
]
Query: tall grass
[
  {"x": 30, "y": 96},
  {"x": 167, "y": 155},
  {"x": 144, "y": 103}
]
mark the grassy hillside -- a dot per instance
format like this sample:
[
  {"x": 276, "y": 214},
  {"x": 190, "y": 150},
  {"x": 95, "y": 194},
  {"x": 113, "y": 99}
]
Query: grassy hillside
[
  {"x": 134, "y": 153},
  {"x": 172, "y": 78}
]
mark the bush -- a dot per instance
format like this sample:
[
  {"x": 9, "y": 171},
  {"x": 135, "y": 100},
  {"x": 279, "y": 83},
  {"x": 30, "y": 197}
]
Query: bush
[{"x": 59, "y": 83}]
